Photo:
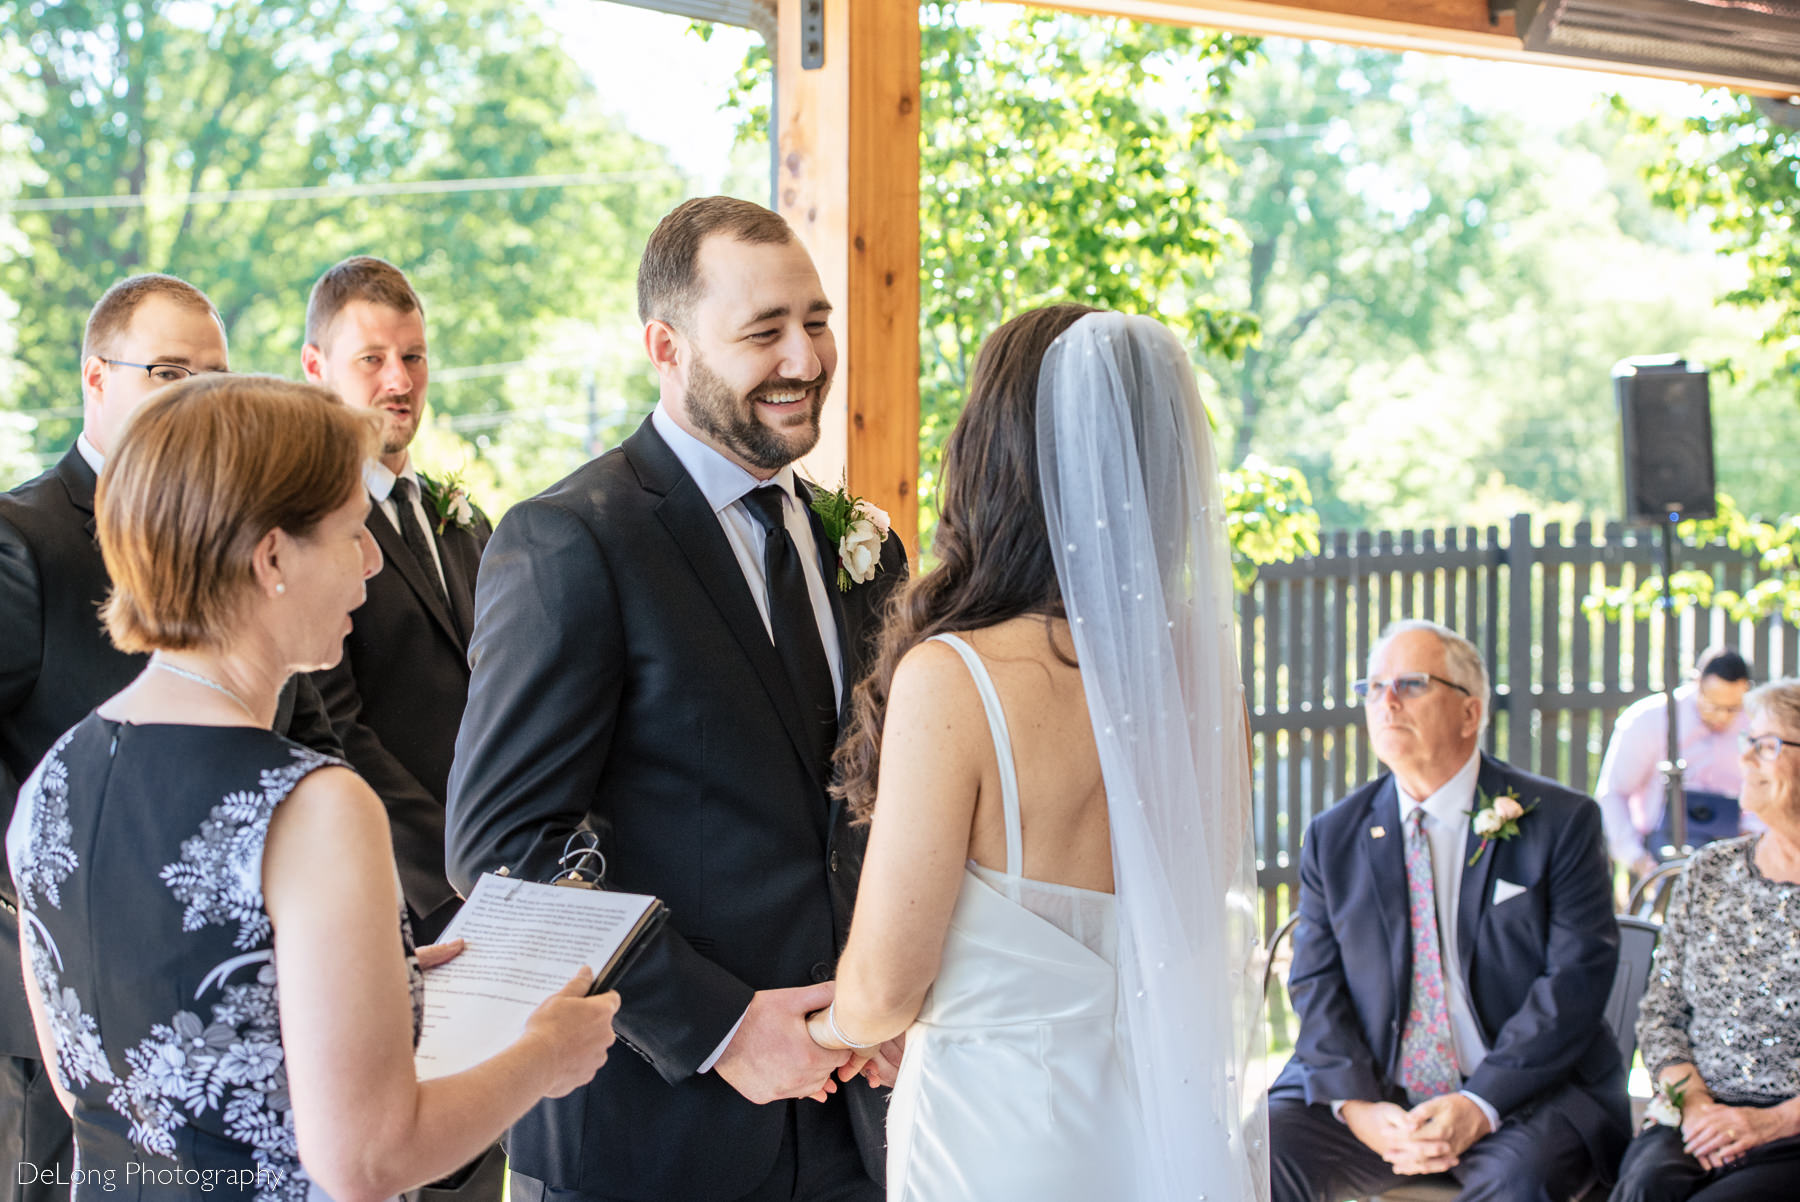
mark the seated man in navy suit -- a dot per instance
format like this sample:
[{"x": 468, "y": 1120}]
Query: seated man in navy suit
[{"x": 1452, "y": 962}]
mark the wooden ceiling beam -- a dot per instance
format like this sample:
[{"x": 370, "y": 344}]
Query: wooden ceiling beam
[{"x": 1458, "y": 27}]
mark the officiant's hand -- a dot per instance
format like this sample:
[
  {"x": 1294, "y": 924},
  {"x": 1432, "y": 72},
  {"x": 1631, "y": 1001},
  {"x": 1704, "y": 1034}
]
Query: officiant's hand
[
  {"x": 772, "y": 1057},
  {"x": 434, "y": 954},
  {"x": 572, "y": 1032}
]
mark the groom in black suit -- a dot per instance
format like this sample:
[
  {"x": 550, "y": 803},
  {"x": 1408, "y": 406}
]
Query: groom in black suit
[
  {"x": 56, "y": 661},
  {"x": 1450, "y": 982},
  {"x": 660, "y": 658}
]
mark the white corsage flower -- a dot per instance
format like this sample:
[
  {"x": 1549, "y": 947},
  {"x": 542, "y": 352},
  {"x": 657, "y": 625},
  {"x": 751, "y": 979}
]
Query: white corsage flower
[
  {"x": 1488, "y": 822},
  {"x": 1665, "y": 1104}
]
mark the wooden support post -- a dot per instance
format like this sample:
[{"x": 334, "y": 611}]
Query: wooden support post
[{"x": 847, "y": 178}]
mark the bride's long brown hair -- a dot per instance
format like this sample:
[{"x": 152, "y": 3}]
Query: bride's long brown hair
[{"x": 993, "y": 550}]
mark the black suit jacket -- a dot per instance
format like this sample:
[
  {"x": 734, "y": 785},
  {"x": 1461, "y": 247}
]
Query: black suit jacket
[
  {"x": 1537, "y": 967},
  {"x": 623, "y": 682},
  {"x": 57, "y": 663},
  {"x": 397, "y": 697}
]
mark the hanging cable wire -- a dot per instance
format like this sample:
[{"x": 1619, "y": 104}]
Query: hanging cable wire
[{"x": 425, "y": 187}]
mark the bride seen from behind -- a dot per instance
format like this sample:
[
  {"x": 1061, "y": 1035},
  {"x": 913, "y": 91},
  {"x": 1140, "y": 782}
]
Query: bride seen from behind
[{"x": 1056, "y": 907}]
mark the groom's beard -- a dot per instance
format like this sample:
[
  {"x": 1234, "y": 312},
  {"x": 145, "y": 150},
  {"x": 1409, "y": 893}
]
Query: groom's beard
[{"x": 730, "y": 418}]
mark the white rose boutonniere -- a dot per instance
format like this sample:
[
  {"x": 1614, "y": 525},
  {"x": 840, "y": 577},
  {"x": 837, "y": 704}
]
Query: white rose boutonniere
[
  {"x": 449, "y": 499},
  {"x": 1496, "y": 818},
  {"x": 857, "y": 527}
]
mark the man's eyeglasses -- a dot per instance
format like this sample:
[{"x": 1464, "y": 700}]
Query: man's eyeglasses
[
  {"x": 162, "y": 373},
  {"x": 1408, "y": 686},
  {"x": 1767, "y": 748}
]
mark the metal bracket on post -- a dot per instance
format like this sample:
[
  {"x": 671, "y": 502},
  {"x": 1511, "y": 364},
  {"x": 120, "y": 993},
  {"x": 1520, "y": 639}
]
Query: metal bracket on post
[{"x": 812, "y": 35}]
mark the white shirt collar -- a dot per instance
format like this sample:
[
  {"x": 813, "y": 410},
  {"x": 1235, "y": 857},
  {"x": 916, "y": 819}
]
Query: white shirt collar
[
  {"x": 90, "y": 452},
  {"x": 1453, "y": 799},
  {"x": 379, "y": 479},
  {"x": 722, "y": 482}
]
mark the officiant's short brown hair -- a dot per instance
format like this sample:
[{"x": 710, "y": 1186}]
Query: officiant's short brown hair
[
  {"x": 358, "y": 278},
  {"x": 204, "y": 471},
  {"x": 668, "y": 275}
]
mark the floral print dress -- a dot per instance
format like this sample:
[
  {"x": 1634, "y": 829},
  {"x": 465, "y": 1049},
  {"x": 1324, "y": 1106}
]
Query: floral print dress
[{"x": 136, "y": 851}]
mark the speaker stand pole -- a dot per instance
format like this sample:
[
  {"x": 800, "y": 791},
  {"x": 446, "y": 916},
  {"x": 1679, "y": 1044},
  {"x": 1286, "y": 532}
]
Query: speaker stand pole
[{"x": 1674, "y": 793}]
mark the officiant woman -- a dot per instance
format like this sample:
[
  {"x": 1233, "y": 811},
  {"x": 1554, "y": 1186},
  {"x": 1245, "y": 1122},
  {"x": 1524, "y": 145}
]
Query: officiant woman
[{"x": 170, "y": 837}]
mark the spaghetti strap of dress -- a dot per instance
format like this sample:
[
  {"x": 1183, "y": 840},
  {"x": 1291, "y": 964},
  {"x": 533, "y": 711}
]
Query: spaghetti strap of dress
[{"x": 1003, "y": 752}]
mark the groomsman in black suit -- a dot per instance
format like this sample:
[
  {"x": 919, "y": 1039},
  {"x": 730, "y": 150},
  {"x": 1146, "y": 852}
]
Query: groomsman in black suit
[
  {"x": 56, "y": 662},
  {"x": 1452, "y": 962},
  {"x": 660, "y": 657},
  {"x": 397, "y": 696}
]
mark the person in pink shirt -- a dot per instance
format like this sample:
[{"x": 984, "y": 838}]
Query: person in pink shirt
[{"x": 1709, "y": 716}]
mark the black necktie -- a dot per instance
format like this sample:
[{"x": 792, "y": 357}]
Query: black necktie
[
  {"x": 796, "y": 630},
  {"x": 413, "y": 535}
]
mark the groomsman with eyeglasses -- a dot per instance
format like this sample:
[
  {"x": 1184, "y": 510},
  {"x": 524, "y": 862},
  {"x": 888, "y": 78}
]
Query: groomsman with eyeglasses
[
  {"x": 1452, "y": 962},
  {"x": 397, "y": 697},
  {"x": 56, "y": 662}
]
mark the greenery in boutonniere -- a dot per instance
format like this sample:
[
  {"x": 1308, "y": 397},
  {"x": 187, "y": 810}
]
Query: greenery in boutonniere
[
  {"x": 1496, "y": 818},
  {"x": 449, "y": 498},
  {"x": 857, "y": 528}
]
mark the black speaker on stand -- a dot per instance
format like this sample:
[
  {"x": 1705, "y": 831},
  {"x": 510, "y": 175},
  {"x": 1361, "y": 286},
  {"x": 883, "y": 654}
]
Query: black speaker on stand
[{"x": 1665, "y": 423}]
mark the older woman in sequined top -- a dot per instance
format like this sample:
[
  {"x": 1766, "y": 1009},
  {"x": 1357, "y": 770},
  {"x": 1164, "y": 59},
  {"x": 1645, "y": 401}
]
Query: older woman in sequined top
[{"x": 1720, "y": 1024}]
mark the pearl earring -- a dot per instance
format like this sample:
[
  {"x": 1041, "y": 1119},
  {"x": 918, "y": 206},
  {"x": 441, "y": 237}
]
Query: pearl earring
[{"x": 280, "y": 588}]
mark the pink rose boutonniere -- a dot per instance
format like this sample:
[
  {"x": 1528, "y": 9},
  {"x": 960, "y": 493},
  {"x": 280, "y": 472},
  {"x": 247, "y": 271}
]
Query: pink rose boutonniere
[{"x": 1496, "y": 818}]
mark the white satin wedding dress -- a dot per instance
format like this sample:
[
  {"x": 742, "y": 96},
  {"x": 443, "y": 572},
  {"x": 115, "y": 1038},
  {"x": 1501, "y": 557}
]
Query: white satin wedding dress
[{"x": 1013, "y": 1086}]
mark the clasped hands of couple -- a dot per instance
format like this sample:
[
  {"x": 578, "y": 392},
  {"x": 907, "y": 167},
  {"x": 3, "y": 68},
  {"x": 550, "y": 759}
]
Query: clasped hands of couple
[
  {"x": 773, "y": 1054},
  {"x": 1429, "y": 1138}
]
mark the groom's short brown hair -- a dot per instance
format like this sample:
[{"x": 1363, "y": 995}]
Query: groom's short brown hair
[{"x": 667, "y": 276}]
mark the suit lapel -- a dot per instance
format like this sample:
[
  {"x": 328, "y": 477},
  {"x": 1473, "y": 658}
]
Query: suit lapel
[
  {"x": 689, "y": 518},
  {"x": 461, "y": 557},
  {"x": 79, "y": 479},
  {"x": 1385, "y": 855},
  {"x": 1476, "y": 889},
  {"x": 848, "y": 642},
  {"x": 400, "y": 559}
]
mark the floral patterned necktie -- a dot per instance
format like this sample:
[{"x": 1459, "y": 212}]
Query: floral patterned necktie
[{"x": 1427, "y": 1056}]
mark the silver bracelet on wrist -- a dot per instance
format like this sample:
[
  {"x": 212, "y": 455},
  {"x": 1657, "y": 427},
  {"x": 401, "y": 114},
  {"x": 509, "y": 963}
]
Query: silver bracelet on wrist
[{"x": 837, "y": 1032}]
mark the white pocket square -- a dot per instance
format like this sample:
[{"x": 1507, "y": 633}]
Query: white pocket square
[{"x": 1505, "y": 891}]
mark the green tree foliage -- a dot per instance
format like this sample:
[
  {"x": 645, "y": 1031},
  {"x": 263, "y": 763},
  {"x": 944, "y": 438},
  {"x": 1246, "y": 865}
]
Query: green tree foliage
[
  {"x": 1738, "y": 168},
  {"x": 1375, "y": 204},
  {"x": 1053, "y": 169},
  {"x": 246, "y": 146}
]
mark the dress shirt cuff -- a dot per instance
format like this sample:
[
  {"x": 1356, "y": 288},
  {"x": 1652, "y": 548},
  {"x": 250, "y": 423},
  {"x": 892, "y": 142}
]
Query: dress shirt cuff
[
  {"x": 730, "y": 1035},
  {"x": 1493, "y": 1116},
  {"x": 1337, "y": 1109}
]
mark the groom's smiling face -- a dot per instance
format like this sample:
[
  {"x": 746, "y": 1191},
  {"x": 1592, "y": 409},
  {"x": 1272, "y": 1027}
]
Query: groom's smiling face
[{"x": 759, "y": 352}]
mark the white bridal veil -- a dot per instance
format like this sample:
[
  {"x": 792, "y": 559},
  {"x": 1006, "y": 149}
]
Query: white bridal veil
[{"x": 1131, "y": 495}]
